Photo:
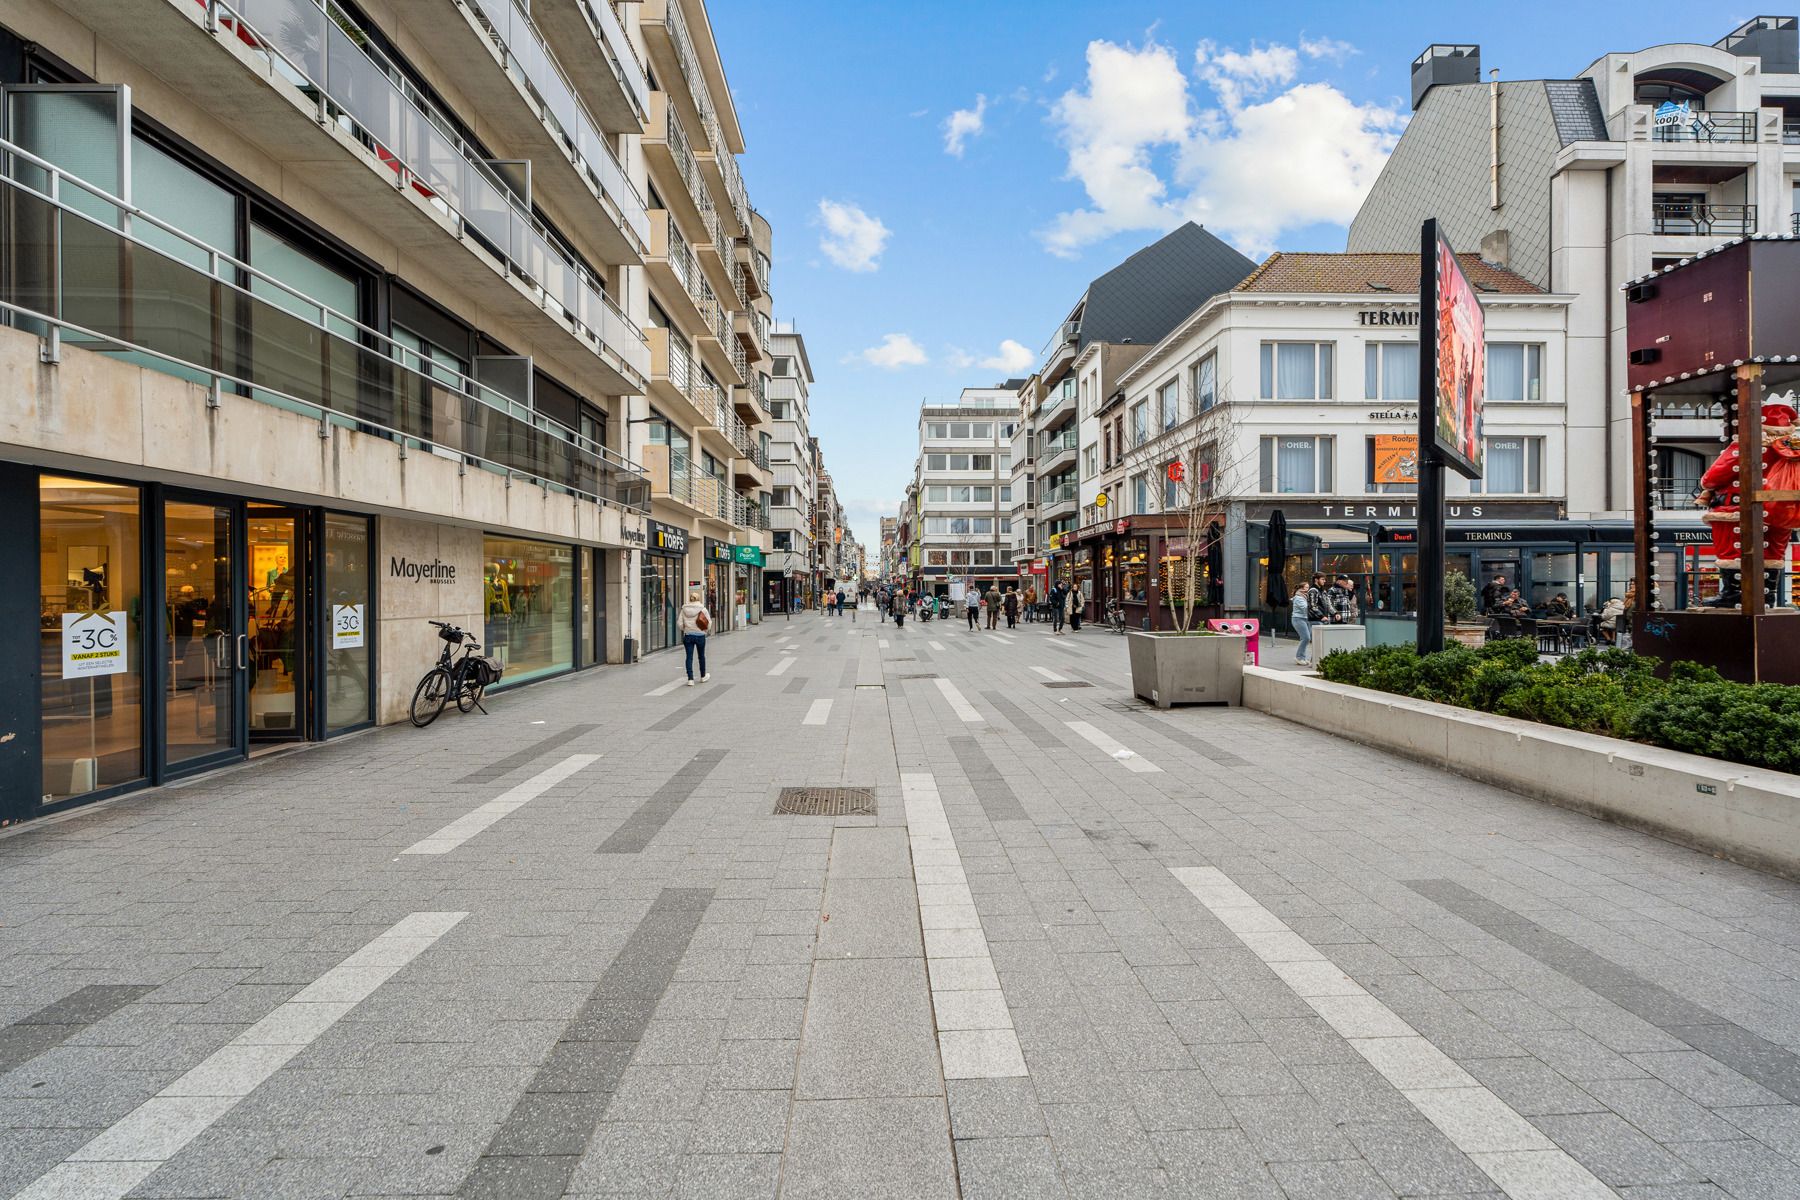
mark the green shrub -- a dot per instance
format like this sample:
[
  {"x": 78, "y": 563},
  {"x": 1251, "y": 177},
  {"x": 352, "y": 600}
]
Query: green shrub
[
  {"x": 1605, "y": 691},
  {"x": 1459, "y": 596}
]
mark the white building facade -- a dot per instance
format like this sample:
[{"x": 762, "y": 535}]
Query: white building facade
[
  {"x": 964, "y": 477},
  {"x": 788, "y": 575}
]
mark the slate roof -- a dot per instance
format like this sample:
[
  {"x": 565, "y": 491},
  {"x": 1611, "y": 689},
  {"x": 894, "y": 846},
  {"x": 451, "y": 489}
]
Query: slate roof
[
  {"x": 1575, "y": 107},
  {"x": 1370, "y": 274},
  {"x": 1154, "y": 290}
]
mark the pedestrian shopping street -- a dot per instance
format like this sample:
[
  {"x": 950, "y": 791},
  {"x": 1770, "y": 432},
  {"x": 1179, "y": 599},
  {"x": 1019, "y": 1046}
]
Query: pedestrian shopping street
[{"x": 1066, "y": 945}]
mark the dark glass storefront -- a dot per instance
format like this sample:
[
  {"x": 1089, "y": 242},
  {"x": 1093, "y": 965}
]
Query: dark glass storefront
[
  {"x": 1143, "y": 563},
  {"x": 660, "y": 585},
  {"x": 529, "y": 593}
]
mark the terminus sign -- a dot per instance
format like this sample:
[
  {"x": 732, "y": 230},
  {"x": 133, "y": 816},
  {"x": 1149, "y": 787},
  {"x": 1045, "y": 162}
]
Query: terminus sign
[
  {"x": 435, "y": 571},
  {"x": 1386, "y": 316}
]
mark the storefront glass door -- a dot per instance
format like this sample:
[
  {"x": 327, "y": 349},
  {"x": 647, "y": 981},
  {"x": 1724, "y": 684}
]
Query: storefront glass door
[
  {"x": 278, "y": 604},
  {"x": 204, "y": 647}
]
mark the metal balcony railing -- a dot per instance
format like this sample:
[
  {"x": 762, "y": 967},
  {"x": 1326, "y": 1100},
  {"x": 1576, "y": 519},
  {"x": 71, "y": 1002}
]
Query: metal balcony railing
[
  {"x": 529, "y": 60},
  {"x": 1702, "y": 218},
  {"x": 609, "y": 31},
  {"x": 681, "y": 262},
  {"x": 1062, "y": 494},
  {"x": 1703, "y": 126},
  {"x": 329, "y": 57},
  {"x": 683, "y": 45},
  {"x": 1790, "y": 132},
  {"x": 82, "y": 271}
]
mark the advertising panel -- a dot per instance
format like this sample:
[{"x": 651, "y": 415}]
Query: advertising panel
[
  {"x": 1457, "y": 358},
  {"x": 1396, "y": 458}
]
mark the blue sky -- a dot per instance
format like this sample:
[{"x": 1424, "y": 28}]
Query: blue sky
[{"x": 912, "y": 245}]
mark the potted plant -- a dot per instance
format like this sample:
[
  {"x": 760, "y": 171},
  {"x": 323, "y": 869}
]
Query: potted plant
[
  {"x": 1190, "y": 664},
  {"x": 1460, "y": 624}
]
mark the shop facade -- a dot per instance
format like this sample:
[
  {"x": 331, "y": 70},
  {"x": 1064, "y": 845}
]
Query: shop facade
[
  {"x": 662, "y": 587},
  {"x": 1142, "y": 562}
]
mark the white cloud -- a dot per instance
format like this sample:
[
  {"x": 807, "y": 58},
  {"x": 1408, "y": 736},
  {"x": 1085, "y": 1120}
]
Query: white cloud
[
  {"x": 1326, "y": 47},
  {"x": 1011, "y": 358},
  {"x": 1269, "y": 153},
  {"x": 896, "y": 350},
  {"x": 964, "y": 124},
  {"x": 853, "y": 239}
]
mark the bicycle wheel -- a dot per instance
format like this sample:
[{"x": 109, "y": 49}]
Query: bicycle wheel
[
  {"x": 468, "y": 695},
  {"x": 430, "y": 697}
]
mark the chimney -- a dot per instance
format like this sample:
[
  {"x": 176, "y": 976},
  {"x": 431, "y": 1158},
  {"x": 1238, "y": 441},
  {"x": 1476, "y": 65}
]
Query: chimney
[{"x": 1442, "y": 64}]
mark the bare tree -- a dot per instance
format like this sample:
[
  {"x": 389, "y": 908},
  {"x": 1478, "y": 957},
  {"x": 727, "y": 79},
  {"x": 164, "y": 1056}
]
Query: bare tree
[{"x": 1202, "y": 457}]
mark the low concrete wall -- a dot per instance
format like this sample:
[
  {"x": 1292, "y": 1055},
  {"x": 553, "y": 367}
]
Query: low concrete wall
[{"x": 1746, "y": 814}]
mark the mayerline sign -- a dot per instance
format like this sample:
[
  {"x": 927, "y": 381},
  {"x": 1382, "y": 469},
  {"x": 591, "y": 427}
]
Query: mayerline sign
[{"x": 435, "y": 571}]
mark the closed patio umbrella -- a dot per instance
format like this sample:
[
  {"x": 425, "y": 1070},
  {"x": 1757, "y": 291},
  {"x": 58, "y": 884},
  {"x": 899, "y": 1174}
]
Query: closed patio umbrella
[{"x": 1278, "y": 554}]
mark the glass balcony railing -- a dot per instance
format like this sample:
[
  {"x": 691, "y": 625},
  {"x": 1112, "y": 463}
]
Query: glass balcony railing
[
  {"x": 1061, "y": 443},
  {"x": 1697, "y": 217},
  {"x": 1062, "y": 494},
  {"x": 529, "y": 60},
  {"x": 683, "y": 44},
  {"x": 93, "y": 272},
  {"x": 321, "y": 55},
  {"x": 609, "y": 31}
]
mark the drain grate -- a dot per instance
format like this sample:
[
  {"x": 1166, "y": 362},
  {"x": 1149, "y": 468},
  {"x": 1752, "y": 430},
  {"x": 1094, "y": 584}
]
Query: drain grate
[
  {"x": 902, "y": 658},
  {"x": 923, "y": 675},
  {"x": 1068, "y": 683},
  {"x": 826, "y": 802}
]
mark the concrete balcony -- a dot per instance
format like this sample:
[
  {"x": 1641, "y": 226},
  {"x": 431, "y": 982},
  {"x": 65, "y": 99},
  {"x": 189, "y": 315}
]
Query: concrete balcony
[
  {"x": 716, "y": 258},
  {"x": 364, "y": 141},
  {"x": 748, "y": 329},
  {"x": 670, "y": 158},
  {"x": 750, "y": 401},
  {"x": 530, "y": 109},
  {"x": 753, "y": 282},
  {"x": 1058, "y": 453},
  {"x": 676, "y": 276},
  {"x": 719, "y": 347},
  {"x": 603, "y": 64},
  {"x": 675, "y": 380}
]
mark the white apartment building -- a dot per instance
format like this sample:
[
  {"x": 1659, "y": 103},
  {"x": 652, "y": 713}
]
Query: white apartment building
[
  {"x": 964, "y": 486},
  {"x": 1297, "y": 391},
  {"x": 359, "y": 318},
  {"x": 788, "y": 575},
  {"x": 1642, "y": 158}
]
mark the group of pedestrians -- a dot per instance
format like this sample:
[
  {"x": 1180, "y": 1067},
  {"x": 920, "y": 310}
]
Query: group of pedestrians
[
  {"x": 1322, "y": 602},
  {"x": 1011, "y": 603},
  {"x": 836, "y": 602}
]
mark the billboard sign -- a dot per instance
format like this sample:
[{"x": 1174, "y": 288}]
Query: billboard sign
[
  {"x": 1453, "y": 357},
  {"x": 1396, "y": 458}
]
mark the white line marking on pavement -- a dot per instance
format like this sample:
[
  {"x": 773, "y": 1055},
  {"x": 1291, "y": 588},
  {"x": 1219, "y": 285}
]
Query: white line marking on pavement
[
  {"x": 782, "y": 666},
  {"x": 1509, "y": 1149},
  {"x": 1050, "y": 675},
  {"x": 962, "y": 707},
  {"x": 1066, "y": 647},
  {"x": 666, "y": 688},
  {"x": 883, "y": 643},
  {"x": 976, "y": 1039},
  {"x": 125, "y": 1154},
  {"x": 819, "y": 713},
  {"x": 1116, "y": 750},
  {"x": 463, "y": 828},
  {"x": 1005, "y": 637},
  {"x": 935, "y": 645}
]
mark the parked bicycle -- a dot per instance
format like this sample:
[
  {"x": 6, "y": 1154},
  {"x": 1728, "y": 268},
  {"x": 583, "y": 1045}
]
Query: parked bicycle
[
  {"x": 461, "y": 676},
  {"x": 1115, "y": 616}
]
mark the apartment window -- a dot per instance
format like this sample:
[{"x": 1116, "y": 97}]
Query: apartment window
[
  {"x": 1068, "y": 389},
  {"x": 783, "y": 365},
  {"x": 1296, "y": 370},
  {"x": 1140, "y": 423},
  {"x": 1107, "y": 433},
  {"x": 1391, "y": 371},
  {"x": 1140, "y": 493},
  {"x": 1008, "y": 429},
  {"x": 937, "y": 429},
  {"x": 959, "y": 558},
  {"x": 981, "y": 462},
  {"x": 782, "y": 539},
  {"x": 781, "y": 410},
  {"x": 984, "y": 558},
  {"x": 1005, "y": 525},
  {"x": 937, "y": 494},
  {"x": 1170, "y": 489},
  {"x": 984, "y": 430},
  {"x": 981, "y": 524},
  {"x": 784, "y": 497},
  {"x": 983, "y": 495},
  {"x": 1006, "y": 461},
  {"x": 1514, "y": 466},
  {"x": 1206, "y": 383},
  {"x": 1295, "y": 464},
  {"x": 1515, "y": 373},
  {"x": 1006, "y": 494},
  {"x": 937, "y": 558},
  {"x": 937, "y": 462},
  {"x": 1168, "y": 405},
  {"x": 1388, "y": 457},
  {"x": 959, "y": 430},
  {"x": 937, "y": 525},
  {"x": 1090, "y": 462}
]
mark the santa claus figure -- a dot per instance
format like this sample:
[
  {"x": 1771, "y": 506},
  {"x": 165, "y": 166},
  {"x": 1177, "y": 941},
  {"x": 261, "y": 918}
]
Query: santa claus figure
[{"x": 1722, "y": 498}]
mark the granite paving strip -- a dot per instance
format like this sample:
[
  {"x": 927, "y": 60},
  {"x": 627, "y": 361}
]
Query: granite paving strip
[
  {"x": 1211, "y": 750},
  {"x": 1509, "y": 1149},
  {"x": 1114, "y": 749},
  {"x": 131, "y": 1149},
  {"x": 56, "y": 1022},
  {"x": 673, "y": 720},
  {"x": 1755, "y": 1058},
  {"x": 542, "y": 1138},
  {"x": 465, "y": 827},
  {"x": 959, "y": 704},
  {"x": 796, "y": 686},
  {"x": 781, "y": 668},
  {"x": 992, "y": 790},
  {"x": 525, "y": 757},
  {"x": 649, "y": 818},
  {"x": 818, "y": 714},
  {"x": 1035, "y": 731}
]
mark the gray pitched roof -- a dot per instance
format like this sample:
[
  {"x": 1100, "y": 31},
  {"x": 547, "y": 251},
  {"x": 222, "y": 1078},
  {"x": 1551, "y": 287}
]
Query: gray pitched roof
[
  {"x": 1148, "y": 294},
  {"x": 1575, "y": 107}
]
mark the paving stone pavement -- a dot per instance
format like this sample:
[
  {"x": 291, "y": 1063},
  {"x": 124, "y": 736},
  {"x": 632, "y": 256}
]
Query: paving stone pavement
[{"x": 1114, "y": 952}]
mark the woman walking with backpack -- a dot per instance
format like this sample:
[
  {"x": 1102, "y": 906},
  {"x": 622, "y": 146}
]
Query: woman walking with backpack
[{"x": 695, "y": 621}]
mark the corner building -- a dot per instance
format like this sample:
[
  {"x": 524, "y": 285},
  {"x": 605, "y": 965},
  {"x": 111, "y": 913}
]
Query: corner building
[{"x": 320, "y": 322}]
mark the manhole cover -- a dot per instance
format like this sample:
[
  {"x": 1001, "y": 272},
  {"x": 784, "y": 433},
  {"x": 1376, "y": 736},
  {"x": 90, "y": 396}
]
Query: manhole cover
[
  {"x": 1066, "y": 683},
  {"x": 826, "y": 802}
]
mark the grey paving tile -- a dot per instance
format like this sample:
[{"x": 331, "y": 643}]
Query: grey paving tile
[
  {"x": 868, "y": 1032},
  {"x": 1014, "y": 1168},
  {"x": 875, "y": 1148}
]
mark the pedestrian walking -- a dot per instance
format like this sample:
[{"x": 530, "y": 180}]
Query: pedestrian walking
[
  {"x": 1056, "y": 610},
  {"x": 840, "y": 601},
  {"x": 1318, "y": 605},
  {"x": 898, "y": 604},
  {"x": 695, "y": 621},
  {"x": 1341, "y": 600},
  {"x": 1072, "y": 608},
  {"x": 972, "y": 607},
  {"x": 1300, "y": 611},
  {"x": 992, "y": 600},
  {"x": 1010, "y": 603}
]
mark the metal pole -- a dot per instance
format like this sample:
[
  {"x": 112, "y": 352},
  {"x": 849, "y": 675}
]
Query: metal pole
[{"x": 1431, "y": 468}]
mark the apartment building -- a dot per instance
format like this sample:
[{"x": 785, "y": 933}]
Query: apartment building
[
  {"x": 887, "y": 559},
  {"x": 324, "y": 322},
  {"x": 963, "y": 489},
  {"x": 1640, "y": 159},
  {"x": 789, "y": 576}
]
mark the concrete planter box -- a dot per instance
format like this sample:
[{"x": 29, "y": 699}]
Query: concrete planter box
[
  {"x": 1186, "y": 668},
  {"x": 1466, "y": 634},
  {"x": 1327, "y": 638},
  {"x": 1746, "y": 814}
]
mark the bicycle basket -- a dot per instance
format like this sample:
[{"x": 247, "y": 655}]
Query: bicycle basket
[
  {"x": 452, "y": 634},
  {"x": 487, "y": 670}
]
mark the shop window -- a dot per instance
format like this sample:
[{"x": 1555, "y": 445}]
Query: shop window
[
  {"x": 1295, "y": 464},
  {"x": 528, "y": 596},
  {"x": 1514, "y": 466},
  {"x": 1296, "y": 370},
  {"x": 90, "y": 566},
  {"x": 1391, "y": 371},
  {"x": 1515, "y": 373},
  {"x": 1134, "y": 570},
  {"x": 937, "y": 558},
  {"x": 348, "y": 611}
]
